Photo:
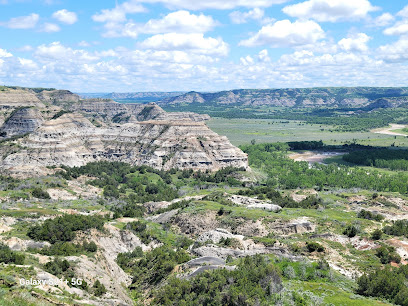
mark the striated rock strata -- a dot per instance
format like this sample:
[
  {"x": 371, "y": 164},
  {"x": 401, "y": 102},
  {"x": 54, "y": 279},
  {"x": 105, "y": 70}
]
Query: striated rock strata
[{"x": 73, "y": 140}]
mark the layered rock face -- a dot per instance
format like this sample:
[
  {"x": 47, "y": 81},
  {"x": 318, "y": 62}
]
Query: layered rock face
[
  {"x": 14, "y": 98},
  {"x": 22, "y": 121},
  {"x": 73, "y": 140},
  {"x": 131, "y": 112}
]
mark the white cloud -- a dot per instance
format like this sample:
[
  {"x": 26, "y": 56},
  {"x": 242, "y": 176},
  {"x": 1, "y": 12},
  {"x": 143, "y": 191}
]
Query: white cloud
[
  {"x": 403, "y": 12},
  {"x": 4, "y": 53},
  {"x": 330, "y": 10},
  {"x": 195, "y": 42},
  {"x": 65, "y": 16},
  {"x": 176, "y": 22},
  {"x": 395, "y": 52},
  {"x": 283, "y": 33},
  {"x": 383, "y": 20},
  {"x": 180, "y": 21},
  {"x": 118, "y": 14},
  {"x": 57, "y": 51},
  {"x": 357, "y": 42},
  {"x": 23, "y": 22},
  {"x": 400, "y": 28},
  {"x": 215, "y": 4},
  {"x": 238, "y": 17},
  {"x": 263, "y": 56},
  {"x": 50, "y": 28}
]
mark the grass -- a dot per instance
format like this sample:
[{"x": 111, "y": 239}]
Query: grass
[
  {"x": 242, "y": 131},
  {"x": 333, "y": 295}
]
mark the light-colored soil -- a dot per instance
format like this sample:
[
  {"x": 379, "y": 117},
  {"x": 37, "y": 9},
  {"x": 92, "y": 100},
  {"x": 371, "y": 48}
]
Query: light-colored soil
[
  {"x": 313, "y": 156},
  {"x": 389, "y": 130}
]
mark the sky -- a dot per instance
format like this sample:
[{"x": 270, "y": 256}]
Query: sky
[{"x": 202, "y": 45}]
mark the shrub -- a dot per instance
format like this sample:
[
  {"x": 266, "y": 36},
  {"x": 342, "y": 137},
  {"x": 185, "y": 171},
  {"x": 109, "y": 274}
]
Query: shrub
[
  {"x": 98, "y": 288},
  {"x": 350, "y": 231},
  {"x": 314, "y": 246},
  {"x": 377, "y": 234},
  {"x": 9, "y": 256},
  {"x": 40, "y": 194}
]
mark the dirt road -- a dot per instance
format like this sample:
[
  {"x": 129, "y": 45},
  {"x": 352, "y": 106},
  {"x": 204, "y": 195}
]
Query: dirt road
[{"x": 389, "y": 130}]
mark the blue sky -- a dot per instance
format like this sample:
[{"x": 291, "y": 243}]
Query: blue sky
[{"x": 183, "y": 45}]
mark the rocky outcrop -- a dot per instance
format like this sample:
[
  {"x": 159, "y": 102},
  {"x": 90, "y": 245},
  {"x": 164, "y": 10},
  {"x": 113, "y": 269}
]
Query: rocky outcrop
[
  {"x": 130, "y": 112},
  {"x": 14, "y": 98},
  {"x": 254, "y": 203},
  {"x": 22, "y": 121},
  {"x": 72, "y": 140}
]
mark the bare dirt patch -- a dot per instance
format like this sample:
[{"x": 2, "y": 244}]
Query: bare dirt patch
[{"x": 313, "y": 156}]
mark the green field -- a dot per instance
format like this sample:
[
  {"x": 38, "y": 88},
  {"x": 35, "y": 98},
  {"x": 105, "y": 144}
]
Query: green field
[{"x": 242, "y": 131}]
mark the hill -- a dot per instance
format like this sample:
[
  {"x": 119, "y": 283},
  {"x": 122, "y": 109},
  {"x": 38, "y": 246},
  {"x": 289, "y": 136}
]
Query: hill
[{"x": 295, "y": 97}]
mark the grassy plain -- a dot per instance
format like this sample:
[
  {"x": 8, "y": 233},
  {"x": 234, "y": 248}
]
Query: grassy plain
[{"x": 242, "y": 131}]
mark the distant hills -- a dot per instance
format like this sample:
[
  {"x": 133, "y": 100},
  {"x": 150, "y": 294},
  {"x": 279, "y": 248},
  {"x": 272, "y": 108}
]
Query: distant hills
[
  {"x": 133, "y": 96},
  {"x": 297, "y": 97}
]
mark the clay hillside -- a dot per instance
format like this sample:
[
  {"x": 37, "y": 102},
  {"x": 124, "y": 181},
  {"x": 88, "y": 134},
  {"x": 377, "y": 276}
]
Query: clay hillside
[{"x": 44, "y": 128}]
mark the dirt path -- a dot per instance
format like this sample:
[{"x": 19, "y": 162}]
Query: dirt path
[
  {"x": 313, "y": 156},
  {"x": 389, "y": 130}
]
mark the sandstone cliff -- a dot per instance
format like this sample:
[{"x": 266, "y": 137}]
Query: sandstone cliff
[{"x": 73, "y": 140}]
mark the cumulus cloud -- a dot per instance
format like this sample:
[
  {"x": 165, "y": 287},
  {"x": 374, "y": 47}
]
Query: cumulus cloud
[
  {"x": 118, "y": 14},
  {"x": 238, "y": 17},
  {"x": 57, "y": 51},
  {"x": 383, "y": 20},
  {"x": 284, "y": 33},
  {"x": 4, "y": 53},
  {"x": 403, "y": 12},
  {"x": 23, "y": 22},
  {"x": 395, "y": 52},
  {"x": 357, "y": 42},
  {"x": 195, "y": 42},
  {"x": 65, "y": 16},
  {"x": 330, "y": 10},
  {"x": 177, "y": 22},
  {"x": 50, "y": 28},
  {"x": 400, "y": 28}
]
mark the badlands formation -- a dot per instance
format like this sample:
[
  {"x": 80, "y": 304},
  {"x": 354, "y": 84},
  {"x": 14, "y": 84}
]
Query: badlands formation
[{"x": 51, "y": 128}]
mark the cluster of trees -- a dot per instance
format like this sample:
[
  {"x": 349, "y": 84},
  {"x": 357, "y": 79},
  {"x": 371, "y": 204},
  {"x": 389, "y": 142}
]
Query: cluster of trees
[
  {"x": 387, "y": 283},
  {"x": 255, "y": 281},
  {"x": 64, "y": 269},
  {"x": 268, "y": 192},
  {"x": 398, "y": 228},
  {"x": 140, "y": 184},
  {"x": 285, "y": 173},
  {"x": 64, "y": 248},
  {"x": 63, "y": 228},
  {"x": 380, "y": 158},
  {"x": 366, "y": 214},
  {"x": 387, "y": 254},
  {"x": 8, "y": 256},
  {"x": 154, "y": 266}
]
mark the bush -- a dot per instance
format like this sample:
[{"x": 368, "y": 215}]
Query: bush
[
  {"x": 350, "y": 231},
  {"x": 98, "y": 288},
  {"x": 377, "y": 234},
  {"x": 314, "y": 246},
  {"x": 40, "y": 194},
  {"x": 387, "y": 254},
  {"x": 8, "y": 256}
]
